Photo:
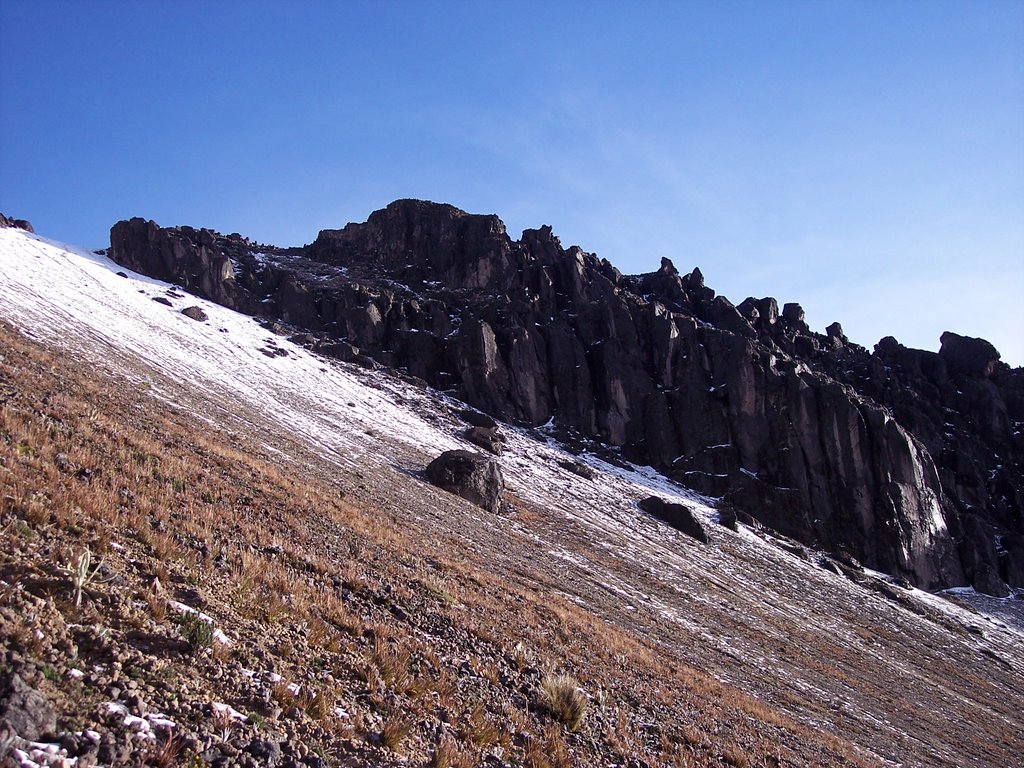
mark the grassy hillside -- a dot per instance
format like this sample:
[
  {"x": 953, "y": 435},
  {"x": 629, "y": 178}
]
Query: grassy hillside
[{"x": 337, "y": 634}]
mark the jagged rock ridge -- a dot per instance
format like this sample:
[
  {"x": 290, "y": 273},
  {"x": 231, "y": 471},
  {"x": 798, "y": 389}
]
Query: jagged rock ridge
[{"x": 910, "y": 461}]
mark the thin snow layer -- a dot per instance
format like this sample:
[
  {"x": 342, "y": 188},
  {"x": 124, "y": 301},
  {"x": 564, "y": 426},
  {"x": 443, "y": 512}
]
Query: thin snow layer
[
  {"x": 144, "y": 728},
  {"x": 74, "y": 296},
  {"x": 741, "y": 607}
]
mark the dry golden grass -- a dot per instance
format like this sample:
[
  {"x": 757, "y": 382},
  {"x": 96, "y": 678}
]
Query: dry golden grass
[
  {"x": 548, "y": 750},
  {"x": 562, "y": 697},
  {"x": 394, "y": 732},
  {"x": 392, "y": 665},
  {"x": 480, "y": 729},
  {"x": 734, "y": 756},
  {"x": 166, "y": 753},
  {"x": 283, "y": 694},
  {"x": 319, "y": 704},
  {"x": 449, "y": 755}
]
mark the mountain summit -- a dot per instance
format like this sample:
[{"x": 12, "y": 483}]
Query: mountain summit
[{"x": 908, "y": 461}]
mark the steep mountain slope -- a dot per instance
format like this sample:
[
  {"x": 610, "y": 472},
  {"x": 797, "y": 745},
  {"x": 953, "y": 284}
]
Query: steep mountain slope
[
  {"x": 840, "y": 650},
  {"x": 910, "y": 461}
]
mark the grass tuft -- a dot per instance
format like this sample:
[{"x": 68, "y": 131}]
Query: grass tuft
[
  {"x": 448, "y": 755},
  {"x": 394, "y": 732},
  {"x": 563, "y": 699}
]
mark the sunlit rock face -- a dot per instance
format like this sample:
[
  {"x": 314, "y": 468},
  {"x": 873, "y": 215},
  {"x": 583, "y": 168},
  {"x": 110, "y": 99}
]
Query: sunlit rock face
[{"x": 883, "y": 455}]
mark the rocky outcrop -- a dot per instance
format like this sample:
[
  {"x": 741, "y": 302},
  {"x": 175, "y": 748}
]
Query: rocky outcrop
[
  {"x": 879, "y": 454},
  {"x": 15, "y": 223},
  {"x": 198, "y": 260},
  {"x": 966, "y": 355},
  {"x": 470, "y": 475}
]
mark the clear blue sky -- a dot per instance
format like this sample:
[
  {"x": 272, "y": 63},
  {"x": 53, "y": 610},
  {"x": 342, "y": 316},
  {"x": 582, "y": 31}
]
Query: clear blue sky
[{"x": 865, "y": 159}]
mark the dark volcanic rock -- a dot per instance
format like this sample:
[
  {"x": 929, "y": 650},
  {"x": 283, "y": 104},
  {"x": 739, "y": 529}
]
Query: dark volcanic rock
[
  {"x": 415, "y": 241},
  {"x": 198, "y": 260},
  {"x": 727, "y": 516},
  {"x": 15, "y": 223},
  {"x": 793, "y": 314},
  {"x": 979, "y": 557},
  {"x": 835, "y": 333},
  {"x": 266, "y": 752},
  {"x": 879, "y": 454},
  {"x": 677, "y": 516},
  {"x": 469, "y": 475},
  {"x": 1011, "y": 560}
]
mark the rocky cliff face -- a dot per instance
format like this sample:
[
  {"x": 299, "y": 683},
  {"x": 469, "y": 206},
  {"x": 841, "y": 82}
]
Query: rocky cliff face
[{"x": 912, "y": 462}]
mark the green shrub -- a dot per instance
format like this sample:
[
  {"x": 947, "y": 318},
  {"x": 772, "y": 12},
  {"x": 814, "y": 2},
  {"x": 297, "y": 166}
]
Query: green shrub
[{"x": 197, "y": 632}]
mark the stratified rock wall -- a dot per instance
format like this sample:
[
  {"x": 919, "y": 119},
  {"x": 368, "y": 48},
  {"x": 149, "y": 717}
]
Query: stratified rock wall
[{"x": 881, "y": 455}]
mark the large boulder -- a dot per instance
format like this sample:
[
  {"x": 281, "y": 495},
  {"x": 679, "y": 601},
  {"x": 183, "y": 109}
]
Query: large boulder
[
  {"x": 196, "y": 313},
  {"x": 477, "y": 419},
  {"x": 472, "y": 476},
  {"x": 676, "y": 515}
]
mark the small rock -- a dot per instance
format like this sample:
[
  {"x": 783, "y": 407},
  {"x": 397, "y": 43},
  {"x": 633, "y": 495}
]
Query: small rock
[
  {"x": 266, "y": 752},
  {"x": 578, "y": 468}
]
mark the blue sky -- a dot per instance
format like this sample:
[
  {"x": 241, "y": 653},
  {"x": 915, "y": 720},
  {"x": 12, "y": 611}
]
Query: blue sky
[{"x": 865, "y": 159}]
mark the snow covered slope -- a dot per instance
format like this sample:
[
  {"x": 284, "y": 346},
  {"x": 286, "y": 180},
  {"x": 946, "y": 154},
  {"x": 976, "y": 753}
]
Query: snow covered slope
[{"x": 769, "y": 619}]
